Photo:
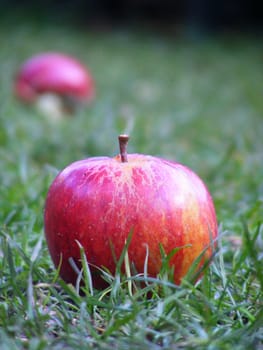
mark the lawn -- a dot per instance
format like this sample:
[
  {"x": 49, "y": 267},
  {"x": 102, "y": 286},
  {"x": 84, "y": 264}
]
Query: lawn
[{"x": 197, "y": 102}]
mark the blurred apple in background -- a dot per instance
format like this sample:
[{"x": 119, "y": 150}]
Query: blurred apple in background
[
  {"x": 56, "y": 83},
  {"x": 99, "y": 201}
]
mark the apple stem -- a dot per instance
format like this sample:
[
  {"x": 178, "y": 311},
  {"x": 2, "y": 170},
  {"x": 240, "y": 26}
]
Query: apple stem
[{"x": 123, "y": 141}]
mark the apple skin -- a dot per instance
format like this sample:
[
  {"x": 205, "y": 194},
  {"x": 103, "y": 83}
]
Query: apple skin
[
  {"x": 99, "y": 201},
  {"x": 54, "y": 73}
]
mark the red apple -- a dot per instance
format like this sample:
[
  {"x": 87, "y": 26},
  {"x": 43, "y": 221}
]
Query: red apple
[
  {"x": 99, "y": 201},
  {"x": 54, "y": 74}
]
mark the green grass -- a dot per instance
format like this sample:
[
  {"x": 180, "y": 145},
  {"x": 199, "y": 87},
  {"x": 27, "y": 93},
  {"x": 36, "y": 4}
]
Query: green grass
[{"x": 196, "y": 102}]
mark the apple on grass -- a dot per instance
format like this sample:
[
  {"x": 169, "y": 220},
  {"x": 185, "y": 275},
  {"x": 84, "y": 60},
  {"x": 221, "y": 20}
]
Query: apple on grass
[
  {"x": 97, "y": 202},
  {"x": 56, "y": 83}
]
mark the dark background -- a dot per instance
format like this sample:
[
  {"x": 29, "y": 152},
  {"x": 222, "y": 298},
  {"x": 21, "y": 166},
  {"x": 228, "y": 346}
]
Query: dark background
[{"x": 198, "y": 15}]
